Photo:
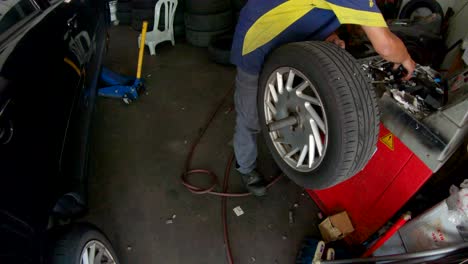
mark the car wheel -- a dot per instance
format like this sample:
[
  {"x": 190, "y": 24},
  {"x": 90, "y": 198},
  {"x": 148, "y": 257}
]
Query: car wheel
[
  {"x": 318, "y": 113},
  {"x": 82, "y": 243}
]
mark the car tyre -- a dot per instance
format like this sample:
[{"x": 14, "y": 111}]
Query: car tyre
[
  {"x": 73, "y": 242},
  {"x": 334, "y": 105}
]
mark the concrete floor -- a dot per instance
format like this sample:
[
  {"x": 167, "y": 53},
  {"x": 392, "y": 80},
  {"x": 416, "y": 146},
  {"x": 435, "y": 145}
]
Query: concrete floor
[{"x": 138, "y": 154}]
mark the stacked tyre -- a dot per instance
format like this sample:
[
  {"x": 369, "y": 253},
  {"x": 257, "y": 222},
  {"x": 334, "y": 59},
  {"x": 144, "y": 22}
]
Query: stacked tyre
[
  {"x": 237, "y": 5},
  {"x": 142, "y": 10},
  {"x": 219, "y": 49},
  {"x": 179, "y": 27},
  {"x": 124, "y": 12},
  {"x": 205, "y": 19}
]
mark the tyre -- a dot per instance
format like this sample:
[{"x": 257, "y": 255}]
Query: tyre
[
  {"x": 205, "y": 7},
  {"x": 140, "y": 15},
  {"x": 318, "y": 113},
  {"x": 212, "y": 22},
  {"x": 125, "y": 7},
  {"x": 81, "y": 241},
  {"x": 179, "y": 16},
  {"x": 143, "y": 14},
  {"x": 179, "y": 31},
  {"x": 200, "y": 38},
  {"x": 137, "y": 24},
  {"x": 421, "y": 8},
  {"x": 219, "y": 49},
  {"x": 125, "y": 18},
  {"x": 144, "y": 4}
]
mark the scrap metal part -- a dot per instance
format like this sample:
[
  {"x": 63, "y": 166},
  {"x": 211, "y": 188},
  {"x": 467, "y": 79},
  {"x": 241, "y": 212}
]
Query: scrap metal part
[{"x": 423, "y": 94}]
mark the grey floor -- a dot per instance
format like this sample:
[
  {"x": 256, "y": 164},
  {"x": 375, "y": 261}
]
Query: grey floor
[{"x": 138, "y": 154}]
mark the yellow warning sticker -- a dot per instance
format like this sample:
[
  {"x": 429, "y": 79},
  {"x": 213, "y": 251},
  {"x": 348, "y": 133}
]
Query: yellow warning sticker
[{"x": 388, "y": 141}]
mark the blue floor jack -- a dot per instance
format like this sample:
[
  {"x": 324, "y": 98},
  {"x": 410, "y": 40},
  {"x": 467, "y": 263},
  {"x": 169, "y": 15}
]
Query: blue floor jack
[{"x": 125, "y": 87}]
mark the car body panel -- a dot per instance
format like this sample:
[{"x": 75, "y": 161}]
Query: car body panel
[{"x": 49, "y": 67}]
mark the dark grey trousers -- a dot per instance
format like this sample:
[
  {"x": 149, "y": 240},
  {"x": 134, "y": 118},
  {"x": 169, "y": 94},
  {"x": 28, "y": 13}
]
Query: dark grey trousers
[{"x": 247, "y": 125}]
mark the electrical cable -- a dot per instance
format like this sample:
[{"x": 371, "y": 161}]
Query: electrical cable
[{"x": 224, "y": 194}]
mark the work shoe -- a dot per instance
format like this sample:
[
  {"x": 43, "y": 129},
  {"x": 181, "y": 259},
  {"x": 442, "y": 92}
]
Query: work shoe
[{"x": 254, "y": 183}]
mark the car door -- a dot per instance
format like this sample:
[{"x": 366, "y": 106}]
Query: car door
[
  {"x": 88, "y": 46},
  {"x": 38, "y": 87}
]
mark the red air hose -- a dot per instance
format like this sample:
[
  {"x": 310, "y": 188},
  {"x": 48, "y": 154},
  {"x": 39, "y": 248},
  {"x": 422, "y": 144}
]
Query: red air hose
[{"x": 214, "y": 178}]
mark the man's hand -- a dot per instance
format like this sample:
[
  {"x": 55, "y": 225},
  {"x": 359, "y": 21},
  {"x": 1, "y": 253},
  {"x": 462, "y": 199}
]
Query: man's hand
[
  {"x": 409, "y": 65},
  {"x": 333, "y": 38},
  {"x": 390, "y": 47}
]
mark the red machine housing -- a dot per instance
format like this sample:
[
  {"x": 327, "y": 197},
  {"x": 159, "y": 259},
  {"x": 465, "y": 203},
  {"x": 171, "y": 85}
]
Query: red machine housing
[{"x": 374, "y": 195}]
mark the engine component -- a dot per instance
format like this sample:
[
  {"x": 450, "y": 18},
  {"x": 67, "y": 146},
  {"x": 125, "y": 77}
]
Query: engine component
[{"x": 422, "y": 94}]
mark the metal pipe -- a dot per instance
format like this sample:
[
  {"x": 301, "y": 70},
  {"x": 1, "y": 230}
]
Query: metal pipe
[
  {"x": 285, "y": 122},
  {"x": 401, "y": 221},
  {"x": 423, "y": 254}
]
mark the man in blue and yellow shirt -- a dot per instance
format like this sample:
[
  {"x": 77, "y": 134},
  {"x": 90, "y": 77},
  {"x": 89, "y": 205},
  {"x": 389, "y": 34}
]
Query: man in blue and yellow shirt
[{"x": 267, "y": 24}]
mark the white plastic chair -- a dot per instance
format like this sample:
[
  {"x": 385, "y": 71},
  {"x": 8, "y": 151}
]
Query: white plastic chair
[{"x": 156, "y": 35}]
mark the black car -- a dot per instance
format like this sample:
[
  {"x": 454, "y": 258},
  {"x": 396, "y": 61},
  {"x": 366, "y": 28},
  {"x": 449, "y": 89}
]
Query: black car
[{"x": 50, "y": 60}]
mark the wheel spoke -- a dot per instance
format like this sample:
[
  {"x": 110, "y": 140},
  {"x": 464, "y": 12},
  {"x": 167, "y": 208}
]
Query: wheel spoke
[
  {"x": 271, "y": 107},
  {"x": 85, "y": 257},
  {"x": 274, "y": 95},
  {"x": 281, "y": 147},
  {"x": 302, "y": 86},
  {"x": 292, "y": 152},
  {"x": 279, "y": 79},
  {"x": 302, "y": 156},
  {"x": 318, "y": 140},
  {"x": 311, "y": 150},
  {"x": 308, "y": 98},
  {"x": 92, "y": 253},
  {"x": 100, "y": 255},
  {"x": 280, "y": 140},
  {"x": 300, "y": 94},
  {"x": 290, "y": 81},
  {"x": 315, "y": 116}
]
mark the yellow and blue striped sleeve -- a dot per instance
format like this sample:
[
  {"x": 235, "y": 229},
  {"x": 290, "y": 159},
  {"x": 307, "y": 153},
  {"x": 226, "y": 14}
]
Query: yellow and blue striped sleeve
[{"x": 359, "y": 12}]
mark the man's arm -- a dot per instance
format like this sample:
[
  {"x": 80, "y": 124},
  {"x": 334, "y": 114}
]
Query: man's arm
[{"x": 390, "y": 47}]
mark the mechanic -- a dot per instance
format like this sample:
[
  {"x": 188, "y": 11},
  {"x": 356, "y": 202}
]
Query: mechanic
[{"x": 267, "y": 24}]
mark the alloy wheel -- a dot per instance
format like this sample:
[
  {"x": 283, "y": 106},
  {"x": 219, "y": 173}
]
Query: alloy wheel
[
  {"x": 296, "y": 119},
  {"x": 95, "y": 252}
]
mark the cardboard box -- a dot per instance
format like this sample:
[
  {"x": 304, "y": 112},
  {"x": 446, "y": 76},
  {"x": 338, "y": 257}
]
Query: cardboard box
[{"x": 336, "y": 227}]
